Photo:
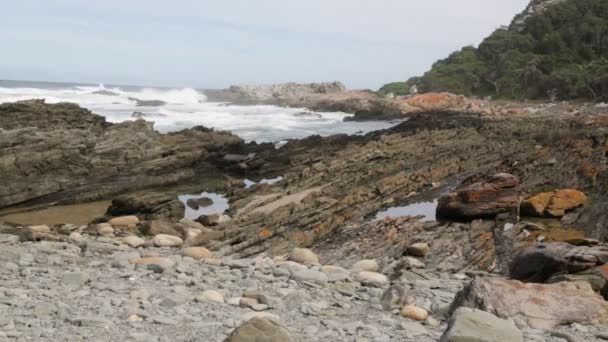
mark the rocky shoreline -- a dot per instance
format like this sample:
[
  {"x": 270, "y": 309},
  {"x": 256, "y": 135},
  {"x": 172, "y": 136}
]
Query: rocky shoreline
[{"x": 521, "y": 201}]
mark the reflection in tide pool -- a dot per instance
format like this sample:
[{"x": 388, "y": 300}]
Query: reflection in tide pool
[
  {"x": 219, "y": 206},
  {"x": 426, "y": 209},
  {"x": 249, "y": 183}
]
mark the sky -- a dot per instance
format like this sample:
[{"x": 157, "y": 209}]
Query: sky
[{"x": 216, "y": 43}]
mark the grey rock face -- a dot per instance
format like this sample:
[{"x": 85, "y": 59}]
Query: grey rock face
[
  {"x": 260, "y": 329},
  {"x": 471, "y": 325}
]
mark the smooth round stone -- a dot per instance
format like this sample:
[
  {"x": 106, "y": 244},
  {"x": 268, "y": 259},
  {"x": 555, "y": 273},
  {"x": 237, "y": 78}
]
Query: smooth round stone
[
  {"x": 197, "y": 253},
  {"x": 414, "y": 312},
  {"x": 163, "y": 240}
]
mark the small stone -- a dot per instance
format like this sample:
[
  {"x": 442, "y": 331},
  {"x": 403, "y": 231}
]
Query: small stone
[
  {"x": 432, "y": 322},
  {"x": 414, "y": 312},
  {"x": 316, "y": 277},
  {"x": 197, "y": 253},
  {"x": 420, "y": 249},
  {"x": 134, "y": 318},
  {"x": 304, "y": 256},
  {"x": 393, "y": 298},
  {"x": 414, "y": 263},
  {"x": 125, "y": 221},
  {"x": 105, "y": 231},
  {"x": 211, "y": 296},
  {"x": 163, "y": 240},
  {"x": 372, "y": 278},
  {"x": 133, "y": 241},
  {"x": 40, "y": 229},
  {"x": 76, "y": 237},
  {"x": 365, "y": 265},
  {"x": 335, "y": 273},
  {"x": 74, "y": 279}
]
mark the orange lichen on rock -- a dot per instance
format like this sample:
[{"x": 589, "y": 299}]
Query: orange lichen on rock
[{"x": 553, "y": 204}]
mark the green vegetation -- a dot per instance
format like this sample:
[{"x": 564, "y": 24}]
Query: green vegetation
[
  {"x": 396, "y": 88},
  {"x": 560, "y": 54}
]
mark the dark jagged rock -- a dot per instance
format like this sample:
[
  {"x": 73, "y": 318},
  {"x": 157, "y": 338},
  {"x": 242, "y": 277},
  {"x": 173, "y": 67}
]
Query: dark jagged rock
[
  {"x": 540, "y": 262},
  {"x": 486, "y": 198},
  {"x": 148, "y": 206}
]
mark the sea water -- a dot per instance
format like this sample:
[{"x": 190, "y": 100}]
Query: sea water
[{"x": 174, "y": 109}]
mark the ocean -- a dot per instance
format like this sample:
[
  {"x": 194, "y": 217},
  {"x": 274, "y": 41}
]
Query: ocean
[{"x": 174, "y": 109}]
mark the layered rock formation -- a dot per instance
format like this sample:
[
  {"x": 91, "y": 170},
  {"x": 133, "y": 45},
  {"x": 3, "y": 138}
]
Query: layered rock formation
[
  {"x": 63, "y": 153},
  {"x": 486, "y": 198}
]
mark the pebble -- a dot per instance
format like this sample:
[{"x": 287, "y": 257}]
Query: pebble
[
  {"x": 414, "y": 312},
  {"x": 304, "y": 256},
  {"x": 365, "y": 265},
  {"x": 372, "y": 278},
  {"x": 133, "y": 241},
  {"x": 197, "y": 253},
  {"x": 211, "y": 296},
  {"x": 164, "y": 240},
  {"x": 420, "y": 249}
]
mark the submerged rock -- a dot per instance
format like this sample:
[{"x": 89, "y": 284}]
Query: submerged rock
[{"x": 196, "y": 203}]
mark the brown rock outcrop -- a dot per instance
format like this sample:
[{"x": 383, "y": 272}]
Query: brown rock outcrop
[
  {"x": 553, "y": 204},
  {"x": 484, "y": 199},
  {"x": 538, "y": 306}
]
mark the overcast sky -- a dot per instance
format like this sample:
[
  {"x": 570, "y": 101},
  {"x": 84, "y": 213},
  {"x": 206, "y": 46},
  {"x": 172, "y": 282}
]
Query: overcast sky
[{"x": 215, "y": 43}]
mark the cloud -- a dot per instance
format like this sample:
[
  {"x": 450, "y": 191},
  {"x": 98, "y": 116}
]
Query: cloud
[{"x": 362, "y": 42}]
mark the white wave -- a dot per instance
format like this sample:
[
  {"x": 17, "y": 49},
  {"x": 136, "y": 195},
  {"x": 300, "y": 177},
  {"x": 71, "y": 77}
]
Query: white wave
[{"x": 187, "y": 107}]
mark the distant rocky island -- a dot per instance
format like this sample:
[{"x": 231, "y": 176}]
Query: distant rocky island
[{"x": 114, "y": 231}]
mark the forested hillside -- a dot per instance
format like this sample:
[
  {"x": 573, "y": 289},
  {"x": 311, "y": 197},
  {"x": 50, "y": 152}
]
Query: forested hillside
[{"x": 561, "y": 53}]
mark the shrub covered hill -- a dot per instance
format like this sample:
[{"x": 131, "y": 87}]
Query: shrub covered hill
[{"x": 555, "y": 49}]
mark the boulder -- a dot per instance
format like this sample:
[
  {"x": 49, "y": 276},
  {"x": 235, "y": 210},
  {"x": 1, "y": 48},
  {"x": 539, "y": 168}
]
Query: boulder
[
  {"x": 553, "y": 204},
  {"x": 471, "y": 325},
  {"x": 537, "y": 306},
  {"x": 156, "y": 227},
  {"x": 129, "y": 221},
  {"x": 486, "y": 198},
  {"x": 162, "y": 240},
  {"x": 540, "y": 262},
  {"x": 304, "y": 256},
  {"x": 261, "y": 329}
]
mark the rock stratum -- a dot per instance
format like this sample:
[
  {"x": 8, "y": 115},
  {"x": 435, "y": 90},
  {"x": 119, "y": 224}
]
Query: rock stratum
[
  {"x": 304, "y": 259},
  {"x": 63, "y": 153}
]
